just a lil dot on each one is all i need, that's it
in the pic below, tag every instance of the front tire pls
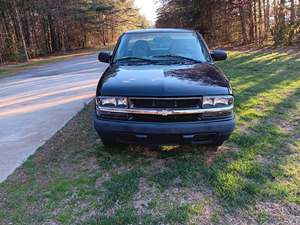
(215, 144)
(108, 141)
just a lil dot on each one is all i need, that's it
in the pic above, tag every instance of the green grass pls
(179, 214)
(73, 179)
(121, 188)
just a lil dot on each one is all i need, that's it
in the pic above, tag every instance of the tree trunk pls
(293, 12)
(21, 31)
(260, 22)
(267, 18)
(281, 15)
(255, 21)
(251, 24)
(243, 24)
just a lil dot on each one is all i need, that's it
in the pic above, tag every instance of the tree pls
(234, 22)
(41, 27)
(21, 30)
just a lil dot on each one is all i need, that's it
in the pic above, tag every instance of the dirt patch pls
(284, 125)
(280, 212)
(99, 182)
(144, 196)
(213, 153)
(68, 145)
(51, 222)
(292, 50)
(203, 206)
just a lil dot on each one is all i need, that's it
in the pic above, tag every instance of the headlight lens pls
(120, 102)
(217, 101)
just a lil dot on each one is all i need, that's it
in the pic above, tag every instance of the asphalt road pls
(35, 104)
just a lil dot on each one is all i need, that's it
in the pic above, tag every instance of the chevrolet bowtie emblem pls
(165, 112)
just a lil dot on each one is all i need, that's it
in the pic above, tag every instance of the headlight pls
(120, 102)
(217, 101)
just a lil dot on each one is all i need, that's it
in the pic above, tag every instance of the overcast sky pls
(148, 8)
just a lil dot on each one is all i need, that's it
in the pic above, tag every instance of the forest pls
(235, 22)
(34, 28)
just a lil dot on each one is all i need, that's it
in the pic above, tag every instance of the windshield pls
(162, 47)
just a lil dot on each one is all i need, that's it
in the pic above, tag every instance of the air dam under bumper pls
(202, 132)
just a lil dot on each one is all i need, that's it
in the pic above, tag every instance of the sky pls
(147, 8)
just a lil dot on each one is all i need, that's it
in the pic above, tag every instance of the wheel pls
(217, 144)
(219, 141)
(109, 142)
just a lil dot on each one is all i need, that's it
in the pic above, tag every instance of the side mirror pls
(218, 55)
(105, 57)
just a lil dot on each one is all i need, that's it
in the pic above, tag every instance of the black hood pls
(163, 81)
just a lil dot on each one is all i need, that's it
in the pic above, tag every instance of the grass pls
(253, 179)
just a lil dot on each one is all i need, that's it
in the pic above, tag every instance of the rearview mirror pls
(218, 55)
(104, 57)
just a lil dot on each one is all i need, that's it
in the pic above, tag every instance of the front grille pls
(165, 103)
(217, 115)
(165, 119)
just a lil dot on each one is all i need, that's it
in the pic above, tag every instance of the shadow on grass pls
(238, 177)
(254, 73)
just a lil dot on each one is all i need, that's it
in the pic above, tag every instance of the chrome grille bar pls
(164, 112)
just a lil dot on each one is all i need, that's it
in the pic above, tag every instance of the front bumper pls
(200, 132)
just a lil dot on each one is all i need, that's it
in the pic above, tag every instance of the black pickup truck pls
(162, 87)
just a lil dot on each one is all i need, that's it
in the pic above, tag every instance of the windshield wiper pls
(131, 58)
(177, 57)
